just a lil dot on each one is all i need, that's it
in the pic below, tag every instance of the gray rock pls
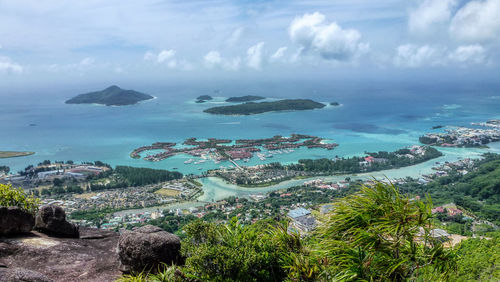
(14, 220)
(22, 275)
(51, 220)
(146, 248)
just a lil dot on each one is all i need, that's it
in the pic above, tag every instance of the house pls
(302, 219)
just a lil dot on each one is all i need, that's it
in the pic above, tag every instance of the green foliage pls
(111, 96)
(16, 197)
(234, 252)
(374, 235)
(478, 260)
(138, 176)
(262, 107)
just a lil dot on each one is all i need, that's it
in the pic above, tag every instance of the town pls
(464, 136)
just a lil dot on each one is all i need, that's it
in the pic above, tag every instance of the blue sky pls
(52, 41)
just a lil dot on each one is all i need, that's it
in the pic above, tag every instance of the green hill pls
(246, 98)
(111, 96)
(252, 108)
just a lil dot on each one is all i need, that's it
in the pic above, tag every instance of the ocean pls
(372, 117)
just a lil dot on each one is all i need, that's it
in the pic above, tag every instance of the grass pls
(13, 154)
(168, 192)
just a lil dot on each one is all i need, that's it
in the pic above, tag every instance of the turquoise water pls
(371, 118)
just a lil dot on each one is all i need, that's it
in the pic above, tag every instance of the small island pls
(335, 104)
(13, 154)
(247, 98)
(111, 96)
(437, 127)
(252, 108)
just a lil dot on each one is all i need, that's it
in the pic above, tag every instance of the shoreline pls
(14, 154)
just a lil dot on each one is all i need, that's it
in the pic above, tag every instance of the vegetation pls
(376, 234)
(251, 108)
(111, 96)
(138, 176)
(5, 169)
(246, 98)
(16, 197)
(204, 97)
(334, 104)
(379, 234)
(383, 160)
(477, 191)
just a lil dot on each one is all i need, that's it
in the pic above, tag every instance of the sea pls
(371, 117)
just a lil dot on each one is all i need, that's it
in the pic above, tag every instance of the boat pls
(189, 161)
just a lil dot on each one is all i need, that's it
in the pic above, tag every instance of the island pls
(225, 150)
(13, 154)
(247, 98)
(334, 104)
(437, 127)
(111, 96)
(251, 108)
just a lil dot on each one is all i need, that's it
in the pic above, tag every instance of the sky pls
(51, 42)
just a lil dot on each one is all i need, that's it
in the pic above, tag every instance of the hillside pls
(252, 108)
(247, 98)
(111, 96)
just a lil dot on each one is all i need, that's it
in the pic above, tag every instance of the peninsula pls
(13, 154)
(247, 98)
(252, 108)
(111, 96)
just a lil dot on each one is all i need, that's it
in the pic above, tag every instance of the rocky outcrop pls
(14, 220)
(92, 257)
(51, 220)
(146, 248)
(22, 275)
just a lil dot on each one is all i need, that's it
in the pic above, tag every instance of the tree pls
(379, 234)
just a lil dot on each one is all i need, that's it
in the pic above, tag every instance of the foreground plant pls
(378, 235)
(16, 197)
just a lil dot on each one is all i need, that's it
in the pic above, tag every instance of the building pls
(302, 219)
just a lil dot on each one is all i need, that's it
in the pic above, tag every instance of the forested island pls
(111, 96)
(203, 98)
(252, 108)
(247, 98)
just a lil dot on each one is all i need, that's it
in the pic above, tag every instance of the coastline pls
(14, 154)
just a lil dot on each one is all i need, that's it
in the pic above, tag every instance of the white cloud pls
(279, 53)
(413, 56)
(235, 36)
(430, 13)
(87, 62)
(166, 55)
(213, 59)
(329, 40)
(469, 54)
(8, 66)
(255, 56)
(149, 56)
(477, 21)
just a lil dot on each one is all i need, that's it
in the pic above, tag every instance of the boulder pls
(51, 220)
(146, 248)
(22, 275)
(14, 220)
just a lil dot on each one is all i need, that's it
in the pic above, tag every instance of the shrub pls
(16, 197)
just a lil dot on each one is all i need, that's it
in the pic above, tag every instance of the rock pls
(14, 220)
(22, 275)
(146, 248)
(64, 259)
(51, 220)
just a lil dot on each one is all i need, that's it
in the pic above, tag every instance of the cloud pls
(469, 54)
(8, 66)
(279, 53)
(255, 56)
(412, 56)
(87, 62)
(166, 55)
(329, 40)
(213, 59)
(477, 21)
(235, 36)
(429, 14)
